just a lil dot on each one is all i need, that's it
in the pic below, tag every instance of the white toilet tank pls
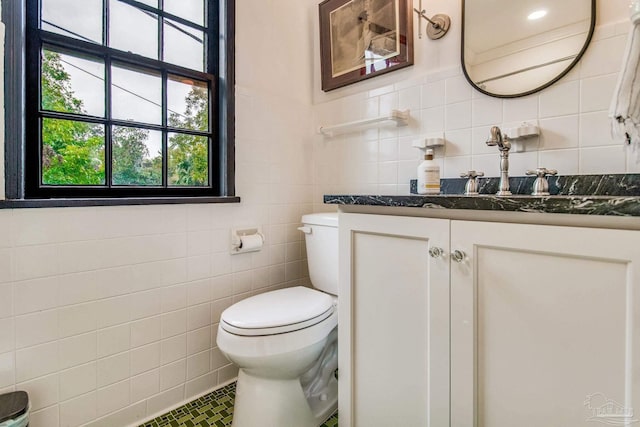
(322, 250)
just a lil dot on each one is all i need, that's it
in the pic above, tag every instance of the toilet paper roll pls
(251, 242)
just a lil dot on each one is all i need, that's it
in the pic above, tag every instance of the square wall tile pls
(457, 90)
(198, 316)
(23, 266)
(79, 288)
(199, 292)
(432, 120)
(36, 361)
(409, 98)
(113, 340)
(35, 295)
(77, 350)
(145, 304)
(596, 93)
(78, 411)
(6, 300)
(174, 298)
(199, 340)
(458, 142)
(6, 257)
(48, 417)
(433, 94)
(559, 133)
(113, 369)
(77, 381)
(458, 116)
(520, 163)
(6, 227)
(200, 385)
(486, 111)
(145, 358)
(36, 227)
(566, 162)
(173, 374)
(145, 385)
(166, 399)
(560, 99)
(173, 349)
(454, 166)
(36, 328)
(521, 109)
(603, 57)
(145, 331)
(77, 319)
(113, 397)
(489, 164)
(42, 391)
(198, 365)
(7, 369)
(595, 130)
(603, 160)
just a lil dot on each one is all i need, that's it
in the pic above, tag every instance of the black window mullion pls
(106, 16)
(211, 58)
(165, 134)
(33, 121)
(108, 131)
(161, 32)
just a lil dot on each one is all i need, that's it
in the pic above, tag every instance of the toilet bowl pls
(284, 342)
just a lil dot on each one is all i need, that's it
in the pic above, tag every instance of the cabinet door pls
(393, 321)
(545, 326)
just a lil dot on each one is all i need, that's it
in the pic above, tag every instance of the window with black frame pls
(123, 99)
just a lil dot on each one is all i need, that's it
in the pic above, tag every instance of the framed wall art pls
(360, 39)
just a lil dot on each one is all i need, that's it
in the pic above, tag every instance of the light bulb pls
(536, 15)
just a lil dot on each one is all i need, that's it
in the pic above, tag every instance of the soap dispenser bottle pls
(429, 175)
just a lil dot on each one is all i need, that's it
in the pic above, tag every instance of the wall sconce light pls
(438, 24)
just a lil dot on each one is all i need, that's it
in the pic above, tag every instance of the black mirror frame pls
(544, 86)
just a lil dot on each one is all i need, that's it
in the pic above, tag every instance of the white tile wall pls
(575, 132)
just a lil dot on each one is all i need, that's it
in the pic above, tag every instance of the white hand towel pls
(625, 106)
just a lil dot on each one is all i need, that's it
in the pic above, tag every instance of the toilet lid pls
(276, 312)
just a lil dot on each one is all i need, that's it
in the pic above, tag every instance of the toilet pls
(285, 342)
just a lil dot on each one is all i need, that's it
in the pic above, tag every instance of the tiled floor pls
(212, 410)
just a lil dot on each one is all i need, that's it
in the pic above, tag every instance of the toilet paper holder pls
(245, 240)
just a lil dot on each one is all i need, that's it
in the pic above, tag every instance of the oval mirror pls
(515, 48)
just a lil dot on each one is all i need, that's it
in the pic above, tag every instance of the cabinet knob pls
(458, 256)
(436, 252)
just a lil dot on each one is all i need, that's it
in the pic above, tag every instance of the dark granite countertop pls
(613, 195)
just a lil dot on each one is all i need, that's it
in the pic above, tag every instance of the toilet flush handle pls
(305, 230)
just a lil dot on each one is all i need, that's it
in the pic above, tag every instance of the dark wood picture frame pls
(360, 39)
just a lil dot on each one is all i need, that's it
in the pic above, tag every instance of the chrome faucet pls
(504, 145)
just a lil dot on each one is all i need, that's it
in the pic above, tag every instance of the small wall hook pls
(438, 24)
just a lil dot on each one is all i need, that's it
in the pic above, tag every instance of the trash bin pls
(14, 409)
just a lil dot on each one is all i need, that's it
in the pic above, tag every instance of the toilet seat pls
(277, 312)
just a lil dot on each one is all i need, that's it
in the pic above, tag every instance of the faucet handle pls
(471, 174)
(541, 185)
(542, 172)
(471, 188)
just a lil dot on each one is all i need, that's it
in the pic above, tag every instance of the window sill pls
(125, 201)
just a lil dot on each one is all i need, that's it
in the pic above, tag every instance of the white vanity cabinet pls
(393, 321)
(536, 325)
